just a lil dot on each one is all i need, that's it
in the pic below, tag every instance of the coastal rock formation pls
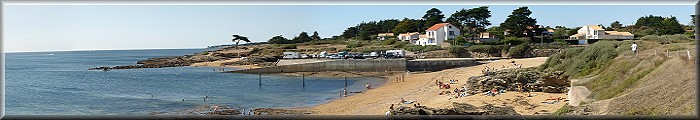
(458, 109)
(260, 61)
(513, 79)
(272, 111)
(165, 62)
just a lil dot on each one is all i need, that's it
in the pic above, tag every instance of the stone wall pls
(544, 52)
(367, 65)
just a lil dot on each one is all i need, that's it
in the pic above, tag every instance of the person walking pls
(634, 48)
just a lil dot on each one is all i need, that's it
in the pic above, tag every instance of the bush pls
(458, 51)
(514, 41)
(353, 45)
(400, 44)
(255, 50)
(581, 61)
(389, 42)
(667, 39)
(519, 51)
(291, 46)
(487, 48)
(431, 48)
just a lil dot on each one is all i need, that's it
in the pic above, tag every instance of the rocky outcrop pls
(272, 111)
(165, 62)
(512, 79)
(458, 109)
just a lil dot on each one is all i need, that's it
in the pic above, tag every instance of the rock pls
(273, 111)
(458, 109)
(511, 79)
(165, 62)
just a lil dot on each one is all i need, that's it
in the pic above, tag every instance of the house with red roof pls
(437, 34)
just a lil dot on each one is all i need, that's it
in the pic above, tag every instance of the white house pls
(438, 33)
(408, 36)
(596, 32)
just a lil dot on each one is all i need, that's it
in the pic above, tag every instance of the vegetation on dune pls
(577, 62)
(564, 109)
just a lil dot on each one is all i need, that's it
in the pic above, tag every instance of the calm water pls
(59, 83)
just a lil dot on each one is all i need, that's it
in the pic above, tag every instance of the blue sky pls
(109, 27)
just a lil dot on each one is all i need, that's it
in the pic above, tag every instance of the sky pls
(113, 27)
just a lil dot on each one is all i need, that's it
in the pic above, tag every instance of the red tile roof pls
(438, 26)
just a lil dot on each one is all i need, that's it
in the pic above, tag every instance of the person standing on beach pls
(634, 48)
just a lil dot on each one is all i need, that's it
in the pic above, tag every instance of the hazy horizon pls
(34, 28)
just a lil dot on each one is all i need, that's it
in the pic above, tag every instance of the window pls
(452, 32)
(449, 26)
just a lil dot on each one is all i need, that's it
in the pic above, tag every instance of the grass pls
(564, 109)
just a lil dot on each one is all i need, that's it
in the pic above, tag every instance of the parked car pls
(334, 56)
(291, 55)
(374, 54)
(358, 57)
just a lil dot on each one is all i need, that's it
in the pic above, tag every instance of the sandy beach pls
(421, 87)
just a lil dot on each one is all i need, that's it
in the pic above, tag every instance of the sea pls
(59, 83)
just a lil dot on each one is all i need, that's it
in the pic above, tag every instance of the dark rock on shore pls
(512, 79)
(459, 109)
(272, 111)
(165, 62)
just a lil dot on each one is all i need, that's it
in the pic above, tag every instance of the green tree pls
(387, 25)
(350, 32)
(560, 33)
(670, 26)
(472, 21)
(238, 38)
(303, 37)
(315, 36)
(406, 25)
(650, 21)
(432, 17)
(278, 40)
(368, 29)
(616, 25)
(518, 21)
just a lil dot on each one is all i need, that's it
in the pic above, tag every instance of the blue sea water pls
(60, 83)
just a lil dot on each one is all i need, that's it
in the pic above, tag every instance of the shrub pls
(255, 50)
(353, 45)
(431, 48)
(400, 44)
(519, 51)
(459, 51)
(580, 61)
(666, 39)
(514, 41)
(389, 42)
(486, 48)
(291, 46)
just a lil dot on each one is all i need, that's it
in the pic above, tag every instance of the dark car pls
(358, 56)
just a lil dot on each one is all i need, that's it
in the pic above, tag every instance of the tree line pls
(472, 22)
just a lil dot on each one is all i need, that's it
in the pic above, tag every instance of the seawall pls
(367, 65)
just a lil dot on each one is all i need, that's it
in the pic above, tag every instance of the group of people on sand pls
(392, 110)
